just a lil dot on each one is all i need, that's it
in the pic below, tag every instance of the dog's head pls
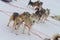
(41, 3)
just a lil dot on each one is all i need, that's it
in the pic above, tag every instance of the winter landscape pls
(40, 31)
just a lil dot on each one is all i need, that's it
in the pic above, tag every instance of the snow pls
(47, 28)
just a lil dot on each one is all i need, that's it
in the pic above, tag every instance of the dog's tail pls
(15, 14)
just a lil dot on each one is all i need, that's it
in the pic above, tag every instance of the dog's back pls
(27, 14)
(15, 15)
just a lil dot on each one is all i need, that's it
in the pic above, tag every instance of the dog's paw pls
(29, 34)
(12, 31)
(16, 33)
(7, 25)
(23, 33)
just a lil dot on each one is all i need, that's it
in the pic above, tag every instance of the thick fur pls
(42, 14)
(55, 37)
(15, 18)
(39, 13)
(26, 16)
(45, 15)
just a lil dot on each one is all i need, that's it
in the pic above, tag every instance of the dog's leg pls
(39, 19)
(9, 21)
(14, 26)
(17, 28)
(29, 31)
(42, 18)
(29, 27)
(45, 18)
(24, 27)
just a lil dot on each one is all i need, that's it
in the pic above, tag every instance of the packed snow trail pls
(5, 32)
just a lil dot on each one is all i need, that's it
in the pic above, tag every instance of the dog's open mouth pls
(56, 17)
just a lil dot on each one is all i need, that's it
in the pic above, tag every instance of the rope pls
(4, 12)
(53, 23)
(16, 6)
(27, 25)
(37, 35)
(41, 33)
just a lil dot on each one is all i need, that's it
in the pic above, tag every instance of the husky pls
(42, 14)
(35, 4)
(27, 18)
(24, 18)
(45, 15)
(16, 19)
(55, 37)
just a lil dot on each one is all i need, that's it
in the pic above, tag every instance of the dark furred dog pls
(30, 3)
(34, 4)
(42, 14)
(39, 13)
(55, 37)
(45, 15)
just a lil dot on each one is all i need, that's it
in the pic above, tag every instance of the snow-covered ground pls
(47, 28)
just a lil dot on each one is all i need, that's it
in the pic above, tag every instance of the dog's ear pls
(41, 3)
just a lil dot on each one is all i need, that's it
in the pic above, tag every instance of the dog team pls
(28, 19)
